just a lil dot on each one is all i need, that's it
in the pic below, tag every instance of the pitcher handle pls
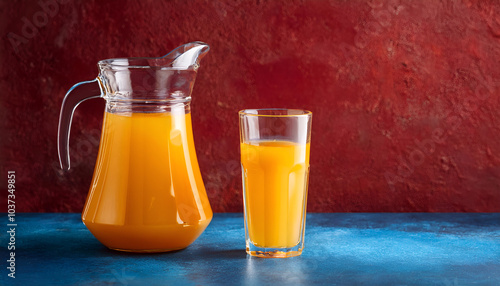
(78, 93)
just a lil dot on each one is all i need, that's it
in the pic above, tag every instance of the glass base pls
(274, 252)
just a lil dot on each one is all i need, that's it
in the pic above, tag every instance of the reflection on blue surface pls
(341, 249)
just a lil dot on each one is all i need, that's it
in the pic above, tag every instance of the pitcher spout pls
(187, 55)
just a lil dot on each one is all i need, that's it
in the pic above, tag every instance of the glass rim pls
(302, 112)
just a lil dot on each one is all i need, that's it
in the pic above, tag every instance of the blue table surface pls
(340, 249)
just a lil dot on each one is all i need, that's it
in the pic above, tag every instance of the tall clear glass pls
(275, 146)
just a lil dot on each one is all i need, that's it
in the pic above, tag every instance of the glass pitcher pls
(147, 194)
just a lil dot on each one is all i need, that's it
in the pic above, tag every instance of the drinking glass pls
(274, 146)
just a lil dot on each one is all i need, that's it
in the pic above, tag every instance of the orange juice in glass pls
(275, 146)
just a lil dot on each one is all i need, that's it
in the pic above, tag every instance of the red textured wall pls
(404, 94)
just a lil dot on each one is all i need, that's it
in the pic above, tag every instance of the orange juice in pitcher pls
(147, 194)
